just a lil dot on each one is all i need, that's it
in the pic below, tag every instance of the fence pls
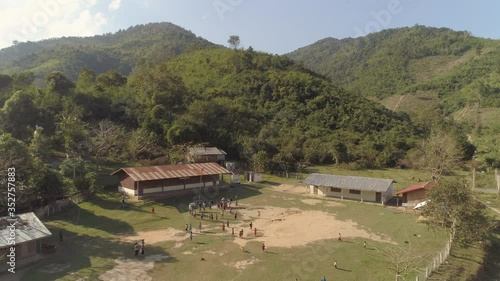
(58, 206)
(436, 262)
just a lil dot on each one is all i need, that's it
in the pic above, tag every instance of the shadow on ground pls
(87, 218)
(237, 192)
(84, 256)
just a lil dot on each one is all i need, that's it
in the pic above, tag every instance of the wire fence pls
(436, 262)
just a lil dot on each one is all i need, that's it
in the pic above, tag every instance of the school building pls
(168, 180)
(350, 187)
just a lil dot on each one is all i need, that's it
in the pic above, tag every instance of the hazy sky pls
(275, 26)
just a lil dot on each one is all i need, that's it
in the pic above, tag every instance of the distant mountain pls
(413, 60)
(119, 51)
(429, 73)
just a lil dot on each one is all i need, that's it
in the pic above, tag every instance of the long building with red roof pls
(168, 179)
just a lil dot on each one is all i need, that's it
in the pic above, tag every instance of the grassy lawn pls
(94, 231)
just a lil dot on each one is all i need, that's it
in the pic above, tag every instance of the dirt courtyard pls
(276, 227)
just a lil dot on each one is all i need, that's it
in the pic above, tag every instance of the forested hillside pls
(118, 51)
(393, 61)
(264, 110)
(429, 73)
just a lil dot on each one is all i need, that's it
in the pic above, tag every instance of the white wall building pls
(349, 187)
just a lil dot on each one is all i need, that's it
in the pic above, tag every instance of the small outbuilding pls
(206, 155)
(350, 187)
(412, 195)
(168, 180)
(28, 232)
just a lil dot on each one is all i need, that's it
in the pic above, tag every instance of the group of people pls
(138, 248)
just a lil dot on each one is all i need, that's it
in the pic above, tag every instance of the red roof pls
(422, 185)
(172, 171)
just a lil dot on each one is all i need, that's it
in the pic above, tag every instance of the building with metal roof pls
(27, 232)
(350, 187)
(207, 154)
(414, 194)
(168, 180)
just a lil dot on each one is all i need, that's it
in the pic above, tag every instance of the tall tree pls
(494, 162)
(106, 139)
(74, 131)
(452, 206)
(439, 154)
(401, 260)
(19, 115)
(141, 141)
(234, 41)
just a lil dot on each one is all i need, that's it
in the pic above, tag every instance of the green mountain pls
(251, 102)
(426, 72)
(119, 51)
(407, 60)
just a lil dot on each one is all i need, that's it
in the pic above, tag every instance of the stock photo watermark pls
(381, 19)
(11, 209)
(31, 24)
(222, 7)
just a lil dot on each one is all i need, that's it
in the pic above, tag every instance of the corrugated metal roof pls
(28, 228)
(350, 182)
(422, 185)
(207, 151)
(173, 171)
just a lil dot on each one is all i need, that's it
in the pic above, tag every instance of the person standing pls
(340, 237)
(199, 226)
(142, 248)
(263, 247)
(335, 264)
(190, 236)
(232, 233)
(364, 244)
(136, 249)
(251, 225)
(227, 223)
(255, 232)
(153, 211)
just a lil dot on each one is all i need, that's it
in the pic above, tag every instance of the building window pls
(353, 191)
(335, 189)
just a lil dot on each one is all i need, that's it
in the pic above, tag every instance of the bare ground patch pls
(169, 234)
(132, 269)
(311, 201)
(241, 265)
(281, 227)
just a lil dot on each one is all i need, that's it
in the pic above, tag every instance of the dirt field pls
(276, 227)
